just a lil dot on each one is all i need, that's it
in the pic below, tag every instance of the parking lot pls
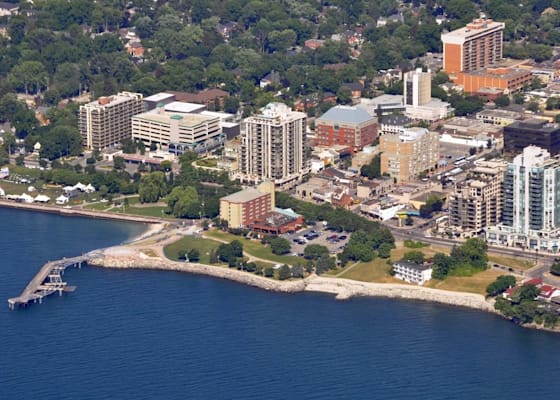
(334, 241)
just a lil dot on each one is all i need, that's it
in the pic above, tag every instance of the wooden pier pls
(48, 281)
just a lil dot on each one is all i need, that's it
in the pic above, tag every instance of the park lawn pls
(473, 284)
(155, 211)
(254, 248)
(208, 162)
(398, 253)
(519, 263)
(98, 206)
(373, 271)
(204, 246)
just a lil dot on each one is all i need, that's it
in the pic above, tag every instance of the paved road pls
(417, 233)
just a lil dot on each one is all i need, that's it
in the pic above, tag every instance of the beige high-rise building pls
(273, 146)
(417, 88)
(477, 202)
(406, 154)
(107, 121)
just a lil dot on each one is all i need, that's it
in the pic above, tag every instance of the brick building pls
(243, 208)
(349, 126)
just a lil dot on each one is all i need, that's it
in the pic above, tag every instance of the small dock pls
(48, 281)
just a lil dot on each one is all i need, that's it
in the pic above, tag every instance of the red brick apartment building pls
(348, 126)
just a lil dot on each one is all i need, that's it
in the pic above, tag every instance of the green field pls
(204, 246)
(254, 248)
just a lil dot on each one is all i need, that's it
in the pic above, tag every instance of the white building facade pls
(531, 210)
(412, 272)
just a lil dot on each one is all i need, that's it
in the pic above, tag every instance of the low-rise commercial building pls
(533, 131)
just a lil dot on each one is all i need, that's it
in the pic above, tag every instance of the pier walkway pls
(48, 281)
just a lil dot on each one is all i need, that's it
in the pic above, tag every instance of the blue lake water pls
(164, 335)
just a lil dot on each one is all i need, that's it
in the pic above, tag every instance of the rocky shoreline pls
(128, 258)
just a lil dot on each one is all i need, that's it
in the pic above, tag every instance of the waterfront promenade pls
(80, 212)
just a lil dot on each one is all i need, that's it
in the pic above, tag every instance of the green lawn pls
(254, 248)
(204, 246)
(373, 271)
(155, 211)
(207, 162)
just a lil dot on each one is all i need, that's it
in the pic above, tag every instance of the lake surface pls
(164, 335)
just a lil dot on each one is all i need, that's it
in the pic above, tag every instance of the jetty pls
(48, 281)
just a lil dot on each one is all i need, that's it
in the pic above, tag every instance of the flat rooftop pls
(244, 196)
(471, 30)
(159, 97)
(183, 107)
(166, 117)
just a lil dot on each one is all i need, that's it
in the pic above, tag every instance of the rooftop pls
(345, 114)
(156, 98)
(182, 107)
(471, 30)
(244, 196)
(166, 117)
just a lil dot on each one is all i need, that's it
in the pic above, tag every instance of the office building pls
(533, 131)
(273, 146)
(531, 207)
(406, 154)
(243, 208)
(417, 88)
(477, 202)
(107, 121)
(475, 46)
(344, 125)
(177, 132)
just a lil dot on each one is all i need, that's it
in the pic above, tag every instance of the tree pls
(284, 272)
(297, 271)
(280, 245)
(414, 256)
(268, 272)
(441, 265)
(384, 250)
(152, 187)
(500, 285)
(184, 201)
(29, 76)
(118, 163)
(555, 269)
(315, 251)
(373, 169)
(193, 255)
(502, 101)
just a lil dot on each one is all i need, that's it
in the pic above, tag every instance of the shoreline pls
(121, 257)
(79, 212)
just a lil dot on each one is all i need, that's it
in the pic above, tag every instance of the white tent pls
(42, 198)
(26, 198)
(2, 193)
(68, 188)
(80, 186)
(61, 199)
(31, 189)
(89, 188)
